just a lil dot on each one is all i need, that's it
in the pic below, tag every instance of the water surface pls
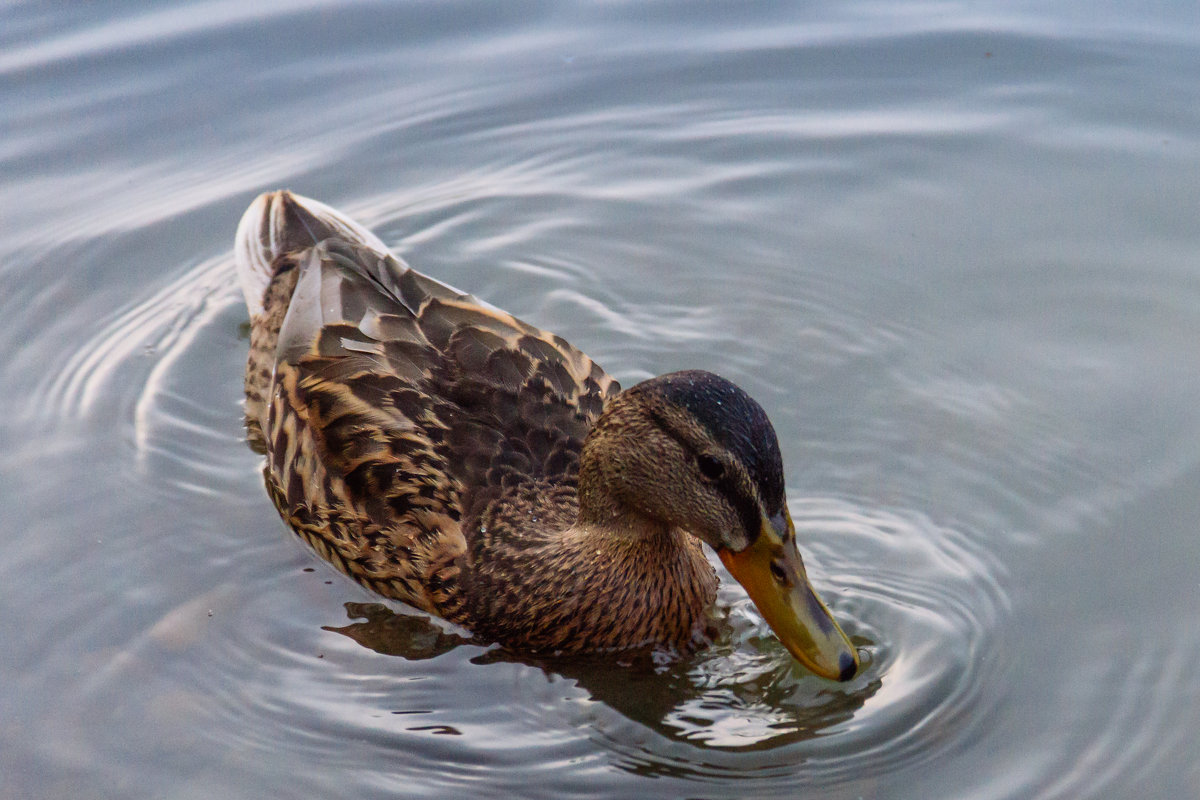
(951, 249)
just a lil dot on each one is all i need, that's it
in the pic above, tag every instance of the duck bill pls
(773, 575)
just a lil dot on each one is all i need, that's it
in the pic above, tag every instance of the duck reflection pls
(743, 694)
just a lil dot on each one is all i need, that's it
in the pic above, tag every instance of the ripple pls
(161, 369)
(162, 325)
(923, 605)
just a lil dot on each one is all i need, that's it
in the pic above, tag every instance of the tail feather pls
(276, 228)
(280, 222)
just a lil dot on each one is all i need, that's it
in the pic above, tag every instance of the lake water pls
(953, 249)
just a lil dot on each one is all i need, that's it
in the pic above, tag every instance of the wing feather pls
(420, 406)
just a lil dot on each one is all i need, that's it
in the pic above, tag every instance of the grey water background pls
(951, 247)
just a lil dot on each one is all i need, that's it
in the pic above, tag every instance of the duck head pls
(694, 451)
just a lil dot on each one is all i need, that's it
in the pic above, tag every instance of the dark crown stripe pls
(734, 420)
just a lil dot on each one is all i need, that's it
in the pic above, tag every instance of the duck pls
(445, 454)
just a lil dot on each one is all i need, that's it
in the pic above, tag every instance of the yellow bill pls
(773, 575)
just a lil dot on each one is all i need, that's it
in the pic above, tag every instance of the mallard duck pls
(446, 454)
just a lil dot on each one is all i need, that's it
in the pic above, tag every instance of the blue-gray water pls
(954, 250)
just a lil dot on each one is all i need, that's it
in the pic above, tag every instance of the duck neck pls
(605, 514)
(641, 581)
(628, 532)
(604, 498)
(608, 518)
(613, 579)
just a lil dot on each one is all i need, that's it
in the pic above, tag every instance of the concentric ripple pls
(918, 600)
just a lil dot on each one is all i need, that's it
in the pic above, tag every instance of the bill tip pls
(848, 665)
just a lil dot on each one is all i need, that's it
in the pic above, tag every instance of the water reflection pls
(757, 701)
(409, 636)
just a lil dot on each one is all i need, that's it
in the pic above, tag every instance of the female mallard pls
(444, 453)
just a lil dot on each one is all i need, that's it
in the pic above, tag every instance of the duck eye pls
(710, 467)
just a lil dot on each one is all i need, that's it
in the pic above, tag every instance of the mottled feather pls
(401, 415)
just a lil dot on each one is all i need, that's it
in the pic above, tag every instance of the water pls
(951, 249)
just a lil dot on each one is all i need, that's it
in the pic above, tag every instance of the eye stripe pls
(731, 418)
(746, 506)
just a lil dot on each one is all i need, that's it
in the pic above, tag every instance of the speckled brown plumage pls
(428, 446)
(444, 453)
